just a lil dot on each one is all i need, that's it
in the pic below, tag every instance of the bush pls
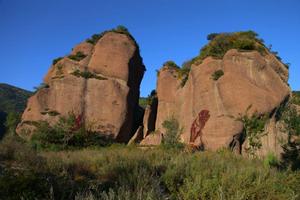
(172, 134)
(69, 132)
(291, 119)
(171, 64)
(271, 160)
(120, 172)
(119, 29)
(254, 127)
(56, 60)
(183, 72)
(220, 43)
(12, 120)
(40, 87)
(78, 56)
(217, 74)
(296, 98)
(87, 75)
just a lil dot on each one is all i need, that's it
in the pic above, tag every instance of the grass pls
(121, 172)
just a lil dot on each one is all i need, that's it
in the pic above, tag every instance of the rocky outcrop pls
(99, 81)
(207, 106)
(150, 117)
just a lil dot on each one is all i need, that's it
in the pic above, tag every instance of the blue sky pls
(34, 32)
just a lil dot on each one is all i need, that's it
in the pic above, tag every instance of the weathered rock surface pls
(102, 87)
(204, 107)
(150, 118)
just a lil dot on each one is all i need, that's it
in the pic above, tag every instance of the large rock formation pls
(207, 107)
(99, 81)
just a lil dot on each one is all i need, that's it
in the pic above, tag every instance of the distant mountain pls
(12, 99)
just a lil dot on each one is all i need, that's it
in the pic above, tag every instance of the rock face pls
(207, 107)
(98, 82)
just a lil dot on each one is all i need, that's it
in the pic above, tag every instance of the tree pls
(11, 123)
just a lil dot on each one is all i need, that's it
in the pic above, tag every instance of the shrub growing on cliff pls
(220, 43)
(254, 127)
(87, 74)
(119, 29)
(217, 74)
(40, 87)
(78, 56)
(56, 60)
(172, 134)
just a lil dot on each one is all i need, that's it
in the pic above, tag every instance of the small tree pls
(173, 131)
(254, 127)
(11, 123)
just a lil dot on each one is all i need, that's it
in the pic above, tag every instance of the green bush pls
(172, 135)
(40, 87)
(87, 75)
(56, 60)
(296, 98)
(271, 160)
(120, 172)
(119, 29)
(69, 132)
(171, 64)
(220, 43)
(291, 120)
(217, 74)
(254, 127)
(12, 120)
(78, 56)
(182, 72)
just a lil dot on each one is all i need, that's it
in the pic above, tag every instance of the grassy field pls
(129, 172)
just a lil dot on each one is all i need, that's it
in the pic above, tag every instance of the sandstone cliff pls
(220, 89)
(99, 82)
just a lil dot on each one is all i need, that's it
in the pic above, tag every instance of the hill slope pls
(12, 99)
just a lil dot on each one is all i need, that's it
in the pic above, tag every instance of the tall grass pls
(121, 172)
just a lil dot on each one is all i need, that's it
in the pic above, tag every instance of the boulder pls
(207, 108)
(98, 82)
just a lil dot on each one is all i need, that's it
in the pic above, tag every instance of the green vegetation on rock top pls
(119, 29)
(220, 43)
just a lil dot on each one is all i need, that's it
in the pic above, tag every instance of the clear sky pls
(34, 32)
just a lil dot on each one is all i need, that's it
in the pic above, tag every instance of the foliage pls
(143, 102)
(271, 160)
(56, 60)
(13, 99)
(12, 120)
(40, 87)
(120, 172)
(296, 98)
(78, 56)
(217, 74)
(68, 132)
(254, 127)
(87, 75)
(52, 113)
(119, 29)
(151, 97)
(291, 119)
(183, 72)
(172, 134)
(171, 64)
(220, 43)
